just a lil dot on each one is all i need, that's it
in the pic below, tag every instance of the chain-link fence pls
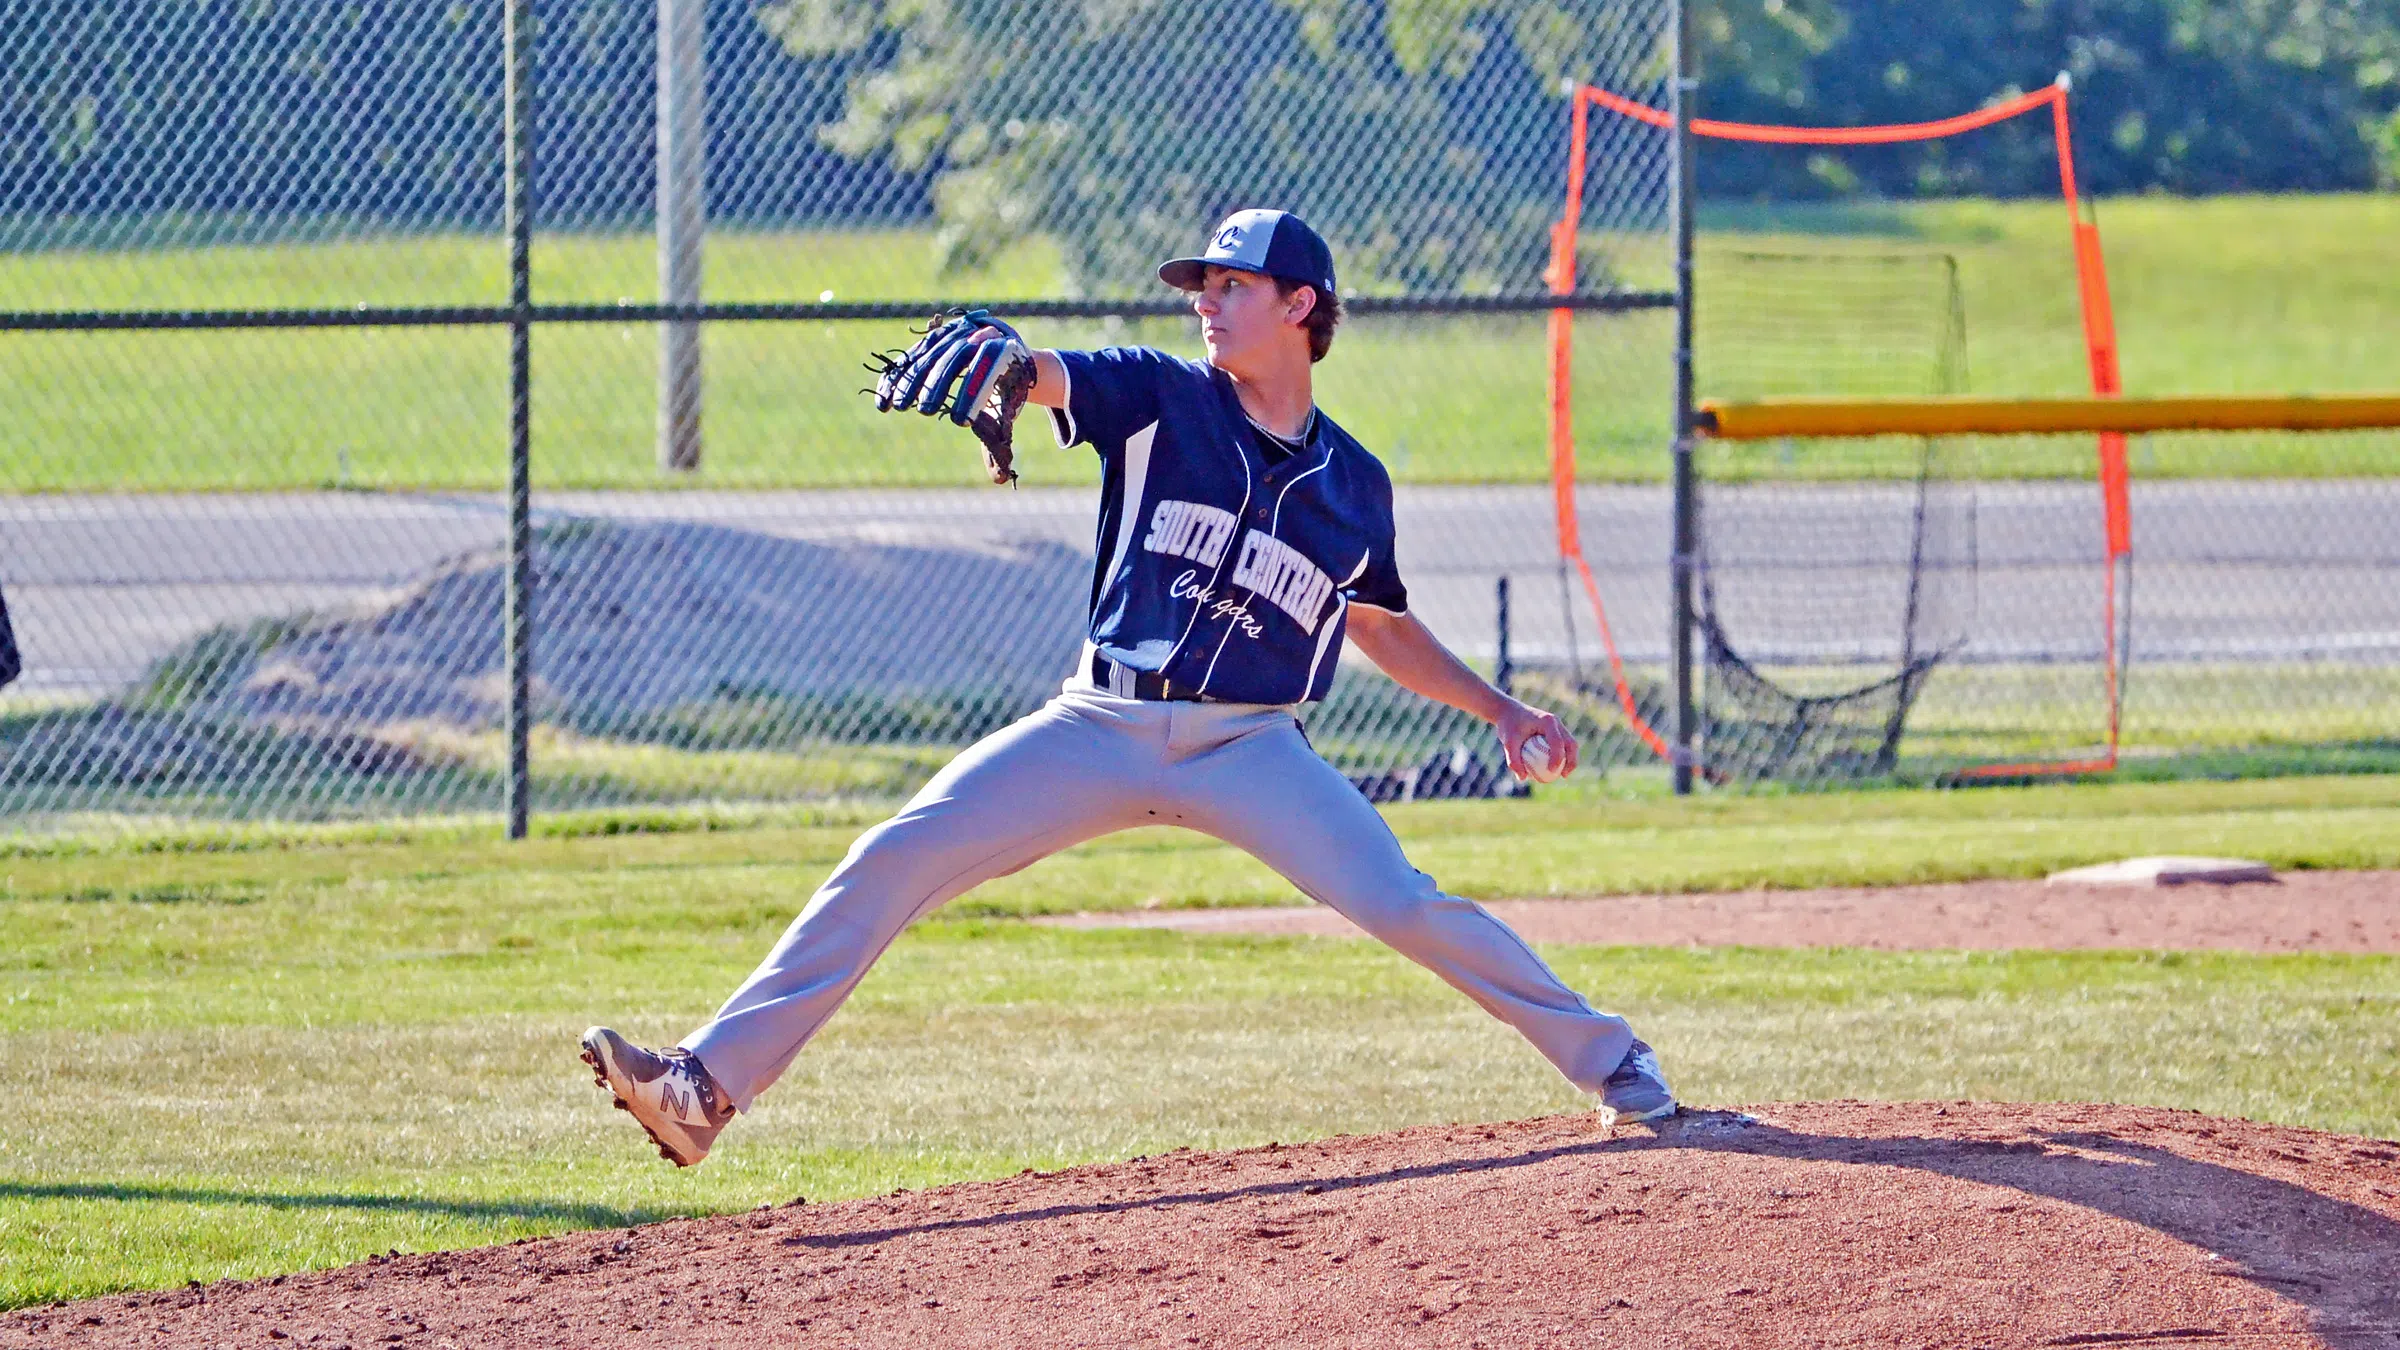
(260, 567)
(255, 496)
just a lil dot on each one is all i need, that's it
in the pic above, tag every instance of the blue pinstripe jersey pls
(1226, 570)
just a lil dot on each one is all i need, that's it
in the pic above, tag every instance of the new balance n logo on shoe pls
(671, 1093)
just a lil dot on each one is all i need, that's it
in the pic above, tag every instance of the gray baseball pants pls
(1088, 764)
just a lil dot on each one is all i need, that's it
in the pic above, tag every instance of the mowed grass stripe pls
(480, 892)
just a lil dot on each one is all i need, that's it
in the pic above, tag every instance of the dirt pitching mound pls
(1825, 1224)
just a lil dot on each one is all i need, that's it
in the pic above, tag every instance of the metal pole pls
(1687, 533)
(518, 608)
(1504, 671)
(682, 219)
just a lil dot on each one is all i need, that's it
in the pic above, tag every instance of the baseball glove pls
(955, 371)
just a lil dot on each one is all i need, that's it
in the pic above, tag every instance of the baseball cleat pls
(1637, 1091)
(672, 1094)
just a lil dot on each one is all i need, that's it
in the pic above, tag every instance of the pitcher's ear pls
(1295, 310)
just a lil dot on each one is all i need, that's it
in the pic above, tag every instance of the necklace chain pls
(1307, 425)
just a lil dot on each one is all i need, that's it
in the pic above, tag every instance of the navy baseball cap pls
(1271, 243)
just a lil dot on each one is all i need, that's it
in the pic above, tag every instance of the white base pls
(2166, 872)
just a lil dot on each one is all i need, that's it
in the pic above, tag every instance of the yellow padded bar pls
(1765, 419)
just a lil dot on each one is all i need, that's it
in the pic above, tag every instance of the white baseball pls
(1538, 764)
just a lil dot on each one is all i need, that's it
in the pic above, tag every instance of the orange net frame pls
(2100, 342)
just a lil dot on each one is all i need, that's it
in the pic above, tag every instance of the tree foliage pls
(1158, 116)
(1122, 128)
(1424, 134)
(2188, 96)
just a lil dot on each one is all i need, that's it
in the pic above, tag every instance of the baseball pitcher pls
(1243, 537)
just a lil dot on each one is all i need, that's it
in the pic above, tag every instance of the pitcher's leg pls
(1068, 773)
(1269, 794)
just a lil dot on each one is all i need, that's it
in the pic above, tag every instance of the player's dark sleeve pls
(1379, 585)
(1111, 393)
(11, 665)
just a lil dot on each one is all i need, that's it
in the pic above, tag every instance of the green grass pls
(2178, 717)
(1622, 835)
(2231, 294)
(242, 1051)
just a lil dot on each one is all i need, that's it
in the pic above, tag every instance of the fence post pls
(682, 220)
(1687, 524)
(518, 608)
(1504, 671)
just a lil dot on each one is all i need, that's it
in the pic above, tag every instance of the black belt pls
(1147, 685)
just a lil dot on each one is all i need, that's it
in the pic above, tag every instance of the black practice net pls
(1833, 576)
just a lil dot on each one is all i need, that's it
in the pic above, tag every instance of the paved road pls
(102, 585)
